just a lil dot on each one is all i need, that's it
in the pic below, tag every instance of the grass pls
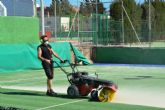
(126, 77)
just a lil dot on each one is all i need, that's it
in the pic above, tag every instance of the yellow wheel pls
(106, 95)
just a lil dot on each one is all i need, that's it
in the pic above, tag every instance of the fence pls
(101, 30)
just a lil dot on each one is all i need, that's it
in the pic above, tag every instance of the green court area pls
(139, 88)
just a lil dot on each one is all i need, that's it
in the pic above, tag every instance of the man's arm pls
(56, 55)
(40, 56)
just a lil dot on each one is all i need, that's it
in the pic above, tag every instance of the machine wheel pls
(94, 95)
(106, 95)
(73, 91)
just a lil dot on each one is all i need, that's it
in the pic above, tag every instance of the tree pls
(145, 18)
(86, 8)
(52, 7)
(66, 8)
(115, 10)
(100, 7)
(89, 7)
(63, 7)
(157, 18)
(159, 21)
(134, 12)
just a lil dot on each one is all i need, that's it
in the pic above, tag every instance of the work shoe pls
(51, 90)
(51, 93)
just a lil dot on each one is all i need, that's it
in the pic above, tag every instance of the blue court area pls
(130, 65)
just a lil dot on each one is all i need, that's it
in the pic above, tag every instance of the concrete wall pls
(19, 29)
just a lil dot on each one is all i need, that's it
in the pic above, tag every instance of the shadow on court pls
(22, 93)
(65, 96)
(143, 77)
(139, 78)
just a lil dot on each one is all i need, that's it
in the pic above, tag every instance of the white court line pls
(21, 80)
(22, 83)
(42, 77)
(60, 104)
(24, 79)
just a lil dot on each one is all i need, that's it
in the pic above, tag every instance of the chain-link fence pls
(100, 30)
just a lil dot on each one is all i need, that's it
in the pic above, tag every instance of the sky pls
(74, 2)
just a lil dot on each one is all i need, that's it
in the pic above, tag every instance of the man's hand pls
(48, 61)
(62, 61)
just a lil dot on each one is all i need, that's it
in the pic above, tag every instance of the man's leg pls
(50, 91)
(50, 80)
(49, 84)
(52, 75)
(49, 73)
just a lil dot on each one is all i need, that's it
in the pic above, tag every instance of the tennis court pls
(141, 87)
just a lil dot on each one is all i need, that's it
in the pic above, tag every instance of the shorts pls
(49, 70)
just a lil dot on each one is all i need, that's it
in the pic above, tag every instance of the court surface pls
(141, 87)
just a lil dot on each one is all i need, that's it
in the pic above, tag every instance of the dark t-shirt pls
(46, 51)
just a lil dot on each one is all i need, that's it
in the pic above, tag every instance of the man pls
(45, 53)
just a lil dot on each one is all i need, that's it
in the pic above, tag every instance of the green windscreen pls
(127, 55)
(79, 56)
(16, 57)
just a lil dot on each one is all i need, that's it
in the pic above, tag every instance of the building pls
(46, 11)
(18, 7)
(3, 10)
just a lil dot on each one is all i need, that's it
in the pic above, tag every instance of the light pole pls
(42, 17)
(55, 18)
(34, 8)
(96, 23)
(78, 19)
(149, 23)
(122, 21)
